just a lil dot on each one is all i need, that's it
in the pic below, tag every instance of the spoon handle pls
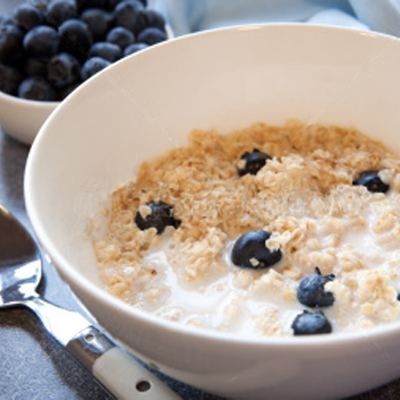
(116, 369)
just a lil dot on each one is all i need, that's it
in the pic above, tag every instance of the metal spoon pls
(20, 274)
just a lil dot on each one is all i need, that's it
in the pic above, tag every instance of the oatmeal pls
(268, 231)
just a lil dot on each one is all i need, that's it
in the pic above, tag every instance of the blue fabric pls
(186, 16)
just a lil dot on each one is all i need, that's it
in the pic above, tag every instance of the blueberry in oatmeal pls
(252, 162)
(251, 251)
(311, 291)
(156, 214)
(372, 181)
(311, 323)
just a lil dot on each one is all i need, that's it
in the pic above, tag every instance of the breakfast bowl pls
(147, 104)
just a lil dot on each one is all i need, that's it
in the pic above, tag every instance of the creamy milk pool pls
(268, 231)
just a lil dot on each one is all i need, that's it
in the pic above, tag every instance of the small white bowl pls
(22, 119)
(147, 103)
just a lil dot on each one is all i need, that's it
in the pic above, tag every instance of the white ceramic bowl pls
(223, 79)
(22, 119)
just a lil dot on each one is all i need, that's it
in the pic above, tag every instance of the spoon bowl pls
(20, 263)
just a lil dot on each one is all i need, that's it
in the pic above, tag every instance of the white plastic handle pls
(127, 379)
(120, 372)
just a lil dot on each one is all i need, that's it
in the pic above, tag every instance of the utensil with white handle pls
(114, 368)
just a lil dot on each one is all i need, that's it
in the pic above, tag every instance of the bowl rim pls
(102, 296)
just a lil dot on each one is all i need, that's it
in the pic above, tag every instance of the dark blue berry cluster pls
(48, 47)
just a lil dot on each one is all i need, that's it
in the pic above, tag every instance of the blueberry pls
(251, 251)
(120, 36)
(10, 78)
(156, 214)
(41, 5)
(41, 42)
(151, 36)
(149, 18)
(98, 22)
(113, 3)
(62, 70)
(64, 92)
(134, 48)
(85, 4)
(92, 66)
(311, 291)
(26, 16)
(7, 19)
(75, 38)
(371, 180)
(126, 13)
(109, 51)
(36, 88)
(252, 162)
(35, 67)
(311, 323)
(11, 50)
(59, 11)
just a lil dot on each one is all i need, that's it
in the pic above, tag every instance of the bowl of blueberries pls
(231, 213)
(50, 47)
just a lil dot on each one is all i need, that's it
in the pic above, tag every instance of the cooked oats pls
(303, 196)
